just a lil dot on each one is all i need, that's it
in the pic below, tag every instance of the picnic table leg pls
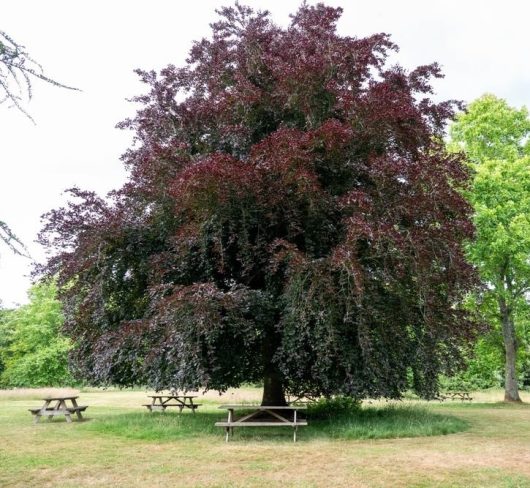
(62, 405)
(77, 412)
(158, 406)
(57, 406)
(43, 409)
(295, 426)
(230, 430)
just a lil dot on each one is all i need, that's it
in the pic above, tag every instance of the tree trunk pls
(272, 381)
(273, 390)
(511, 388)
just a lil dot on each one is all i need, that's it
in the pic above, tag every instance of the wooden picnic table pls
(59, 407)
(263, 416)
(455, 395)
(301, 399)
(459, 395)
(159, 403)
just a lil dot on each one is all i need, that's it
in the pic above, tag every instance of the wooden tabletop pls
(60, 398)
(262, 407)
(172, 396)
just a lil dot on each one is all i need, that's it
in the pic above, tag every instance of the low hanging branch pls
(17, 68)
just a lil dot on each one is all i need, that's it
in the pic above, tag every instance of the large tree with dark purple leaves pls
(291, 216)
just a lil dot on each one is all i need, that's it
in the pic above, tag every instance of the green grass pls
(157, 426)
(390, 422)
(399, 445)
(361, 423)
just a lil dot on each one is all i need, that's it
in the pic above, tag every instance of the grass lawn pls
(485, 443)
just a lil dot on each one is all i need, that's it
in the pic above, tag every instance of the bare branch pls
(12, 241)
(16, 63)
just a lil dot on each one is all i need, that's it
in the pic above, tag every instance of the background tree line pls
(33, 351)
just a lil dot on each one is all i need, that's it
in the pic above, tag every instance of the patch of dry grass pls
(35, 393)
(495, 451)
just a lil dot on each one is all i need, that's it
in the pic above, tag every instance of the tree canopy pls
(491, 129)
(495, 139)
(291, 216)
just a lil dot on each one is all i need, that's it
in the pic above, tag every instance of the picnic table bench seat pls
(195, 405)
(263, 416)
(80, 408)
(163, 406)
(264, 423)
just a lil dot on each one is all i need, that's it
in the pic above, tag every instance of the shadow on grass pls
(363, 423)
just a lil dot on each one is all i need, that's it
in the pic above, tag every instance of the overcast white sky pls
(481, 44)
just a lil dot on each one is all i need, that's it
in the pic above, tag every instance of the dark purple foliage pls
(290, 214)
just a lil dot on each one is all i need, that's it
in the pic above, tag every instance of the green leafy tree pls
(495, 138)
(491, 129)
(32, 350)
(4, 338)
